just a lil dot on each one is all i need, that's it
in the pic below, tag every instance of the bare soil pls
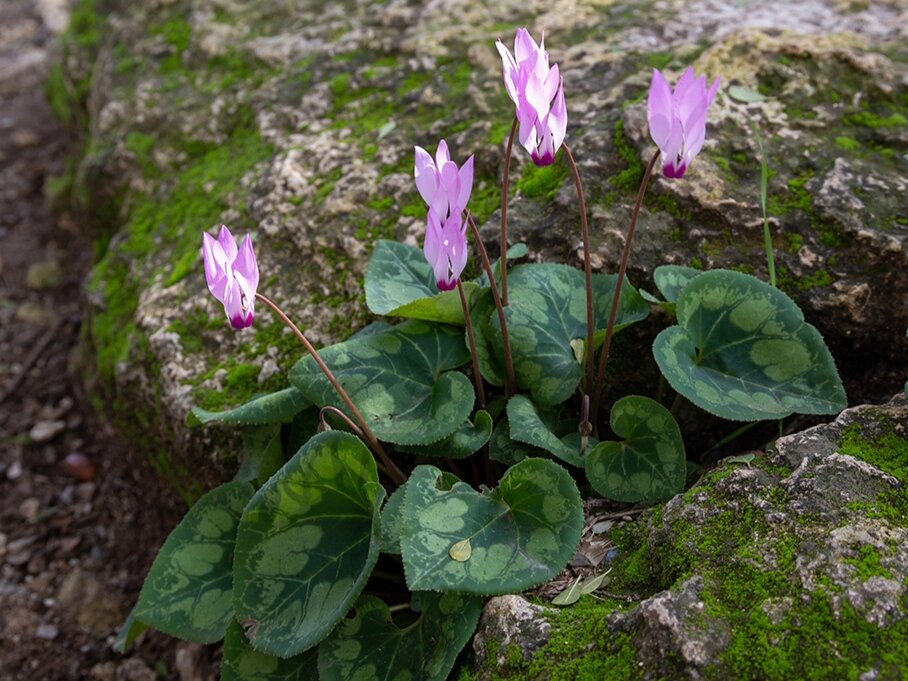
(81, 516)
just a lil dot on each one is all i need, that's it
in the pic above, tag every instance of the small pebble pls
(80, 467)
(14, 472)
(48, 632)
(43, 431)
(29, 509)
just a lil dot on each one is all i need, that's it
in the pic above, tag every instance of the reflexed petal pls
(466, 185)
(432, 247)
(552, 82)
(246, 266)
(450, 188)
(557, 120)
(457, 250)
(228, 243)
(712, 90)
(442, 155)
(659, 109)
(212, 257)
(526, 50)
(425, 174)
(509, 70)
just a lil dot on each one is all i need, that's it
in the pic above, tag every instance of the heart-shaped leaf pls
(547, 311)
(278, 407)
(521, 533)
(395, 379)
(371, 646)
(242, 662)
(306, 544)
(400, 283)
(187, 591)
(742, 350)
(671, 280)
(504, 449)
(527, 426)
(465, 441)
(649, 464)
(488, 345)
(263, 453)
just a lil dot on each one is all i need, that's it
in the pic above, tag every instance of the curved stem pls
(329, 409)
(477, 377)
(510, 381)
(616, 298)
(505, 181)
(587, 269)
(395, 472)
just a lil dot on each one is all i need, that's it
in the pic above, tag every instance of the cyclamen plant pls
(363, 547)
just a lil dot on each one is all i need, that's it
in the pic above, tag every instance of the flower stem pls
(510, 381)
(477, 377)
(587, 270)
(616, 298)
(396, 474)
(505, 181)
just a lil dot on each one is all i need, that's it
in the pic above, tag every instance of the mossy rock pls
(792, 567)
(295, 122)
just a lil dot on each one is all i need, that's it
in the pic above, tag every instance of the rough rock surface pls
(296, 121)
(794, 566)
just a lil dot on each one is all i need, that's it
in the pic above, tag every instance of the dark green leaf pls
(400, 283)
(488, 345)
(520, 534)
(462, 443)
(649, 464)
(129, 632)
(371, 647)
(187, 591)
(307, 543)
(527, 426)
(547, 311)
(262, 453)
(671, 280)
(742, 350)
(395, 379)
(242, 662)
(503, 449)
(278, 407)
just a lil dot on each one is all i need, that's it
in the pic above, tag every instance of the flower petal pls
(425, 174)
(228, 243)
(213, 258)
(466, 185)
(659, 110)
(246, 265)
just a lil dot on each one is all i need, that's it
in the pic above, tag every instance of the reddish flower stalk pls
(396, 474)
(510, 380)
(616, 298)
(477, 376)
(505, 182)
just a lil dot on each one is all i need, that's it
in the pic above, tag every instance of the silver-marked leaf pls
(400, 283)
(391, 521)
(465, 441)
(129, 632)
(187, 591)
(547, 311)
(263, 453)
(242, 662)
(278, 407)
(306, 544)
(742, 350)
(395, 379)
(671, 280)
(648, 465)
(488, 344)
(527, 426)
(505, 450)
(515, 252)
(521, 533)
(370, 646)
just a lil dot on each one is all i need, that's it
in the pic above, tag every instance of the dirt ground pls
(81, 516)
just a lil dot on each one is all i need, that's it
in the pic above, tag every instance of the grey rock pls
(509, 621)
(802, 534)
(319, 132)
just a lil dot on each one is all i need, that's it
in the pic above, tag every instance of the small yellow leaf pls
(461, 551)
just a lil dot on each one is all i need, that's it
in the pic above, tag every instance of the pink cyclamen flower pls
(677, 120)
(445, 248)
(538, 95)
(443, 186)
(232, 275)
(446, 190)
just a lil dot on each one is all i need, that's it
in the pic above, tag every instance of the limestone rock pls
(780, 570)
(295, 122)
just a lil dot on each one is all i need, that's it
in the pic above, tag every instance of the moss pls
(867, 563)
(630, 178)
(543, 182)
(847, 143)
(870, 120)
(886, 452)
(795, 241)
